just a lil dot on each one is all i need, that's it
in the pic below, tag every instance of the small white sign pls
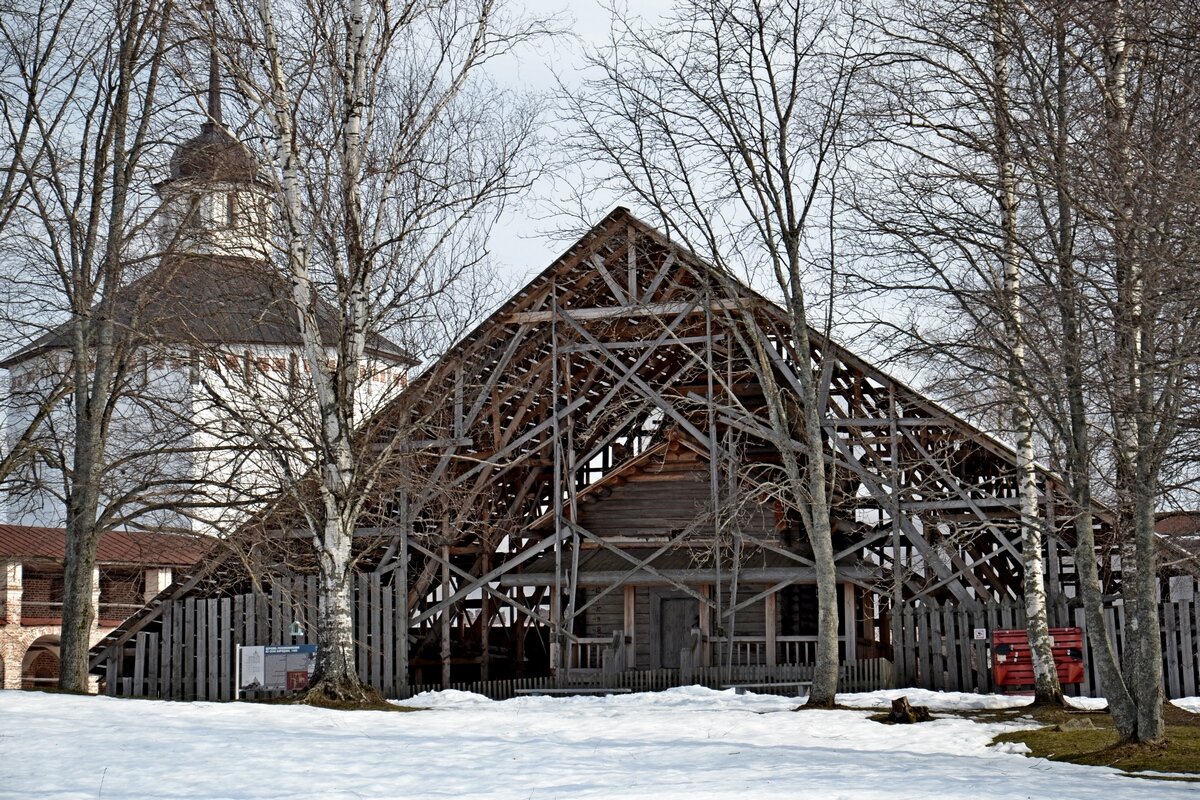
(981, 633)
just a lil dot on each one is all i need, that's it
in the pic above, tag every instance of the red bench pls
(1012, 657)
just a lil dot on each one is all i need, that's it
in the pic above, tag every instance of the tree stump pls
(905, 714)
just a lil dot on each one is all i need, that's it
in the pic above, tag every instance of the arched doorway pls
(39, 668)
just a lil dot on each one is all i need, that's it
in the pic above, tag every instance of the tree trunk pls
(1047, 689)
(818, 526)
(806, 484)
(1148, 673)
(335, 677)
(1133, 416)
(1069, 298)
(78, 613)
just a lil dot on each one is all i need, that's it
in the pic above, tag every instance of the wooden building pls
(587, 483)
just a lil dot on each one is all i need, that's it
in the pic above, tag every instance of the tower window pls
(231, 209)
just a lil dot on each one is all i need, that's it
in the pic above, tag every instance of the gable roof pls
(503, 354)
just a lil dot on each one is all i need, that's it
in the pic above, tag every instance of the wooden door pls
(677, 616)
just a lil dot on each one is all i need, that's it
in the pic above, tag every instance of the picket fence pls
(937, 648)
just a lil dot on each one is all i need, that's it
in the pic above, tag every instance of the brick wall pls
(41, 595)
(121, 593)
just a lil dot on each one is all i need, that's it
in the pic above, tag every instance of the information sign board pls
(276, 667)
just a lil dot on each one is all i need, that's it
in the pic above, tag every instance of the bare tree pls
(391, 153)
(90, 73)
(726, 122)
(1047, 689)
(1093, 200)
(951, 89)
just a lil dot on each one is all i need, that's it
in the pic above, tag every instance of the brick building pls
(132, 567)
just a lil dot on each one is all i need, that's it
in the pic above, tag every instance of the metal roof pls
(194, 299)
(23, 542)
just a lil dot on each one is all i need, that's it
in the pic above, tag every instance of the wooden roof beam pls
(614, 312)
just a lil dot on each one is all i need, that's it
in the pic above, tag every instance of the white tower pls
(215, 201)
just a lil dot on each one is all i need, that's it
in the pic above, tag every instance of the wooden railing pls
(751, 651)
(796, 649)
(34, 612)
(748, 651)
(857, 676)
(587, 653)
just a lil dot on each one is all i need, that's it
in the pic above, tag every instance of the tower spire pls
(214, 69)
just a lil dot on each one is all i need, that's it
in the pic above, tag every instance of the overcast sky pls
(523, 244)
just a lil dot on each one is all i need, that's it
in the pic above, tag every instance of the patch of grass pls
(1098, 745)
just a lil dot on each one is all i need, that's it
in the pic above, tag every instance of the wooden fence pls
(937, 648)
(193, 656)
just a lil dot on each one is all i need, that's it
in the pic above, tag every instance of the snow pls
(1191, 704)
(689, 743)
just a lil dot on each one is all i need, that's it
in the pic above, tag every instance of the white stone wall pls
(205, 433)
(222, 219)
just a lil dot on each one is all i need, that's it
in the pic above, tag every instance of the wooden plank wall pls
(193, 655)
(937, 649)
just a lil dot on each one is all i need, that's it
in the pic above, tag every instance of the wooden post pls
(445, 653)
(139, 666)
(189, 649)
(706, 627)
(897, 588)
(362, 654)
(851, 616)
(166, 663)
(485, 625)
(378, 679)
(402, 615)
(769, 608)
(556, 638)
(212, 628)
(630, 623)
(387, 597)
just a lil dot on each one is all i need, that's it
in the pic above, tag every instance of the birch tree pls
(391, 155)
(1141, 196)
(1111, 110)
(725, 121)
(1046, 685)
(1087, 321)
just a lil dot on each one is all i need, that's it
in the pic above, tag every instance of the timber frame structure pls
(587, 481)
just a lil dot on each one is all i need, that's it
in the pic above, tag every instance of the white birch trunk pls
(335, 674)
(1047, 688)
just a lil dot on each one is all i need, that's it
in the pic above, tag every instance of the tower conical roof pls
(214, 155)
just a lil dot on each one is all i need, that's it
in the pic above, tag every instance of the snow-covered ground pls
(686, 743)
